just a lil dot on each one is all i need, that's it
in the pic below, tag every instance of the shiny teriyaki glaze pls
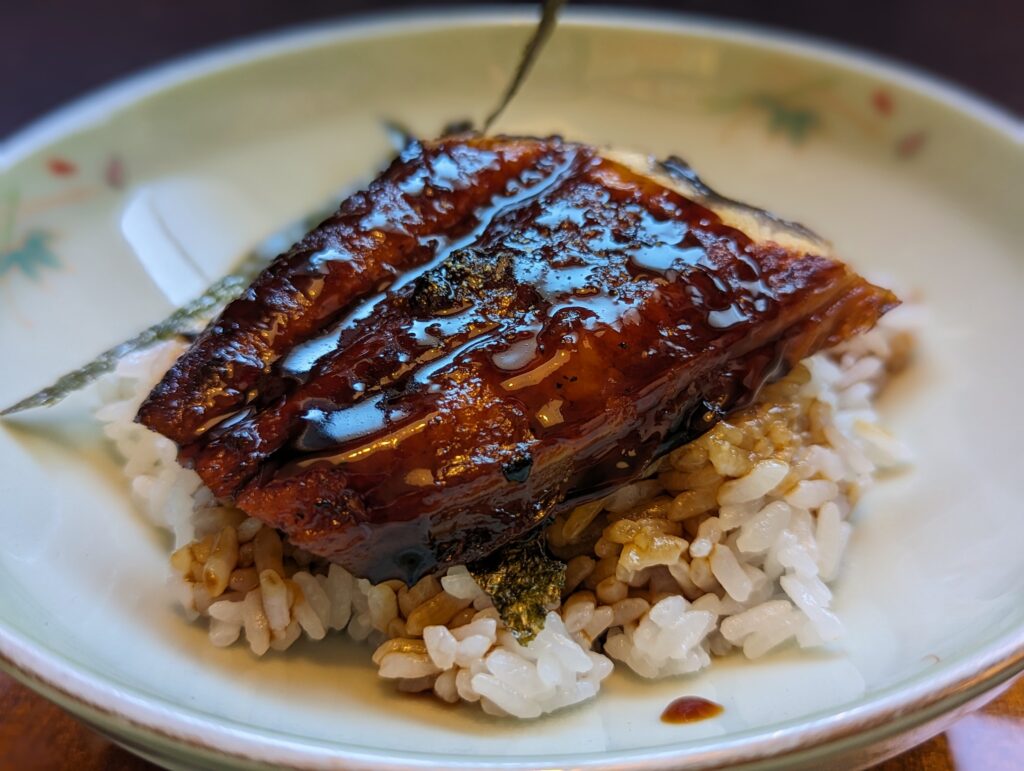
(520, 325)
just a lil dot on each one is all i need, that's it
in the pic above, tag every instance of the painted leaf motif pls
(795, 122)
(31, 257)
(882, 101)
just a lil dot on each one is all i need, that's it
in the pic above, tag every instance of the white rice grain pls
(730, 574)
(406, 666)
(257, 628)
(441, 646)
(758, 483)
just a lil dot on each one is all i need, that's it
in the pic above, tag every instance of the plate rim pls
(94, 105)
(100, 700)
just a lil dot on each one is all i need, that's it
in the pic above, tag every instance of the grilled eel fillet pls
(494, 329)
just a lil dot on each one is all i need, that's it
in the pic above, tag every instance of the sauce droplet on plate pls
(690, 709)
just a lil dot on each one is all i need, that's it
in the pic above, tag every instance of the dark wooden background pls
(55, 50)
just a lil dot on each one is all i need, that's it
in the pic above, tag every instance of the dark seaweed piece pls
(462, 126)
(546, 25)
(180, 322)
(401, 136)
(524, 582)
(185, 320)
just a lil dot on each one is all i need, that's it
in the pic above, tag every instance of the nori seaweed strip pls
(183, 321)
(524, 582)
(546, 25)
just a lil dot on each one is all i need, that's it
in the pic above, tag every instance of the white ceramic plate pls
(128, 202)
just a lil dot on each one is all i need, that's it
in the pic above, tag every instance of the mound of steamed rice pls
(729, 545)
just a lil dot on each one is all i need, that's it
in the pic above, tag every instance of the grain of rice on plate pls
(730, 545)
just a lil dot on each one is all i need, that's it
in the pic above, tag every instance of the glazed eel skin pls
(495, 329)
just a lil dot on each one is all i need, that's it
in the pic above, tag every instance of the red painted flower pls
(61, 167)
(911, 144)
(882, 101)
(114, 173)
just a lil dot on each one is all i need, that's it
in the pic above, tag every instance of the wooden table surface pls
(86, 44)
(36, 735)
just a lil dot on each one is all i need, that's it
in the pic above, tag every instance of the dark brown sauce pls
(691, 709)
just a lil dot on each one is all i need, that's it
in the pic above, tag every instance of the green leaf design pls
(32, 256)
(795, 122)
(789, 111)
